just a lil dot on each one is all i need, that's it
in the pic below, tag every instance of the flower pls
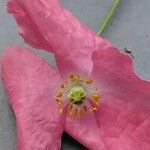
(95, 95)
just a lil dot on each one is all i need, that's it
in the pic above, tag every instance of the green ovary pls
(77, 95)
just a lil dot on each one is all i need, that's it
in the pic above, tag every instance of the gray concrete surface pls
(129, 28)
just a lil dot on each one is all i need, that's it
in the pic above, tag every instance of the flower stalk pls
(108, 17)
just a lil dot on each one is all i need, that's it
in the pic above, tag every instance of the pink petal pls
(124, 111)
(85, 130)
(47, 25)
(31, 85)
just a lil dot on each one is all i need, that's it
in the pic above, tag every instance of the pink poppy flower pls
(95, 95)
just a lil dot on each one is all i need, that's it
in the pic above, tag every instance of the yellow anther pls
(74, 78)
(62, 86)
(71, 76)
(94, 108)
(59, 94)
(61, 110)
(73, 84)
(95, 102)
(88, 81)
(59, 101)
(96, 96)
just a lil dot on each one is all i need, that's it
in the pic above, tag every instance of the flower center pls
(77, 95)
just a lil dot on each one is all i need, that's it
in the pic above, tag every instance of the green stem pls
(108, 17)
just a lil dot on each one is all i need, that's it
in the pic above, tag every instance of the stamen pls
(96, 99)
(62, 86)
(80, 96)
(94, 108)
(61, 110)
(88, 81)
(75, 79)
(72, 111)
(71, 76)
(59, 101)
(59, 94)
(90, 110)
(96, 96)
(95, 102)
